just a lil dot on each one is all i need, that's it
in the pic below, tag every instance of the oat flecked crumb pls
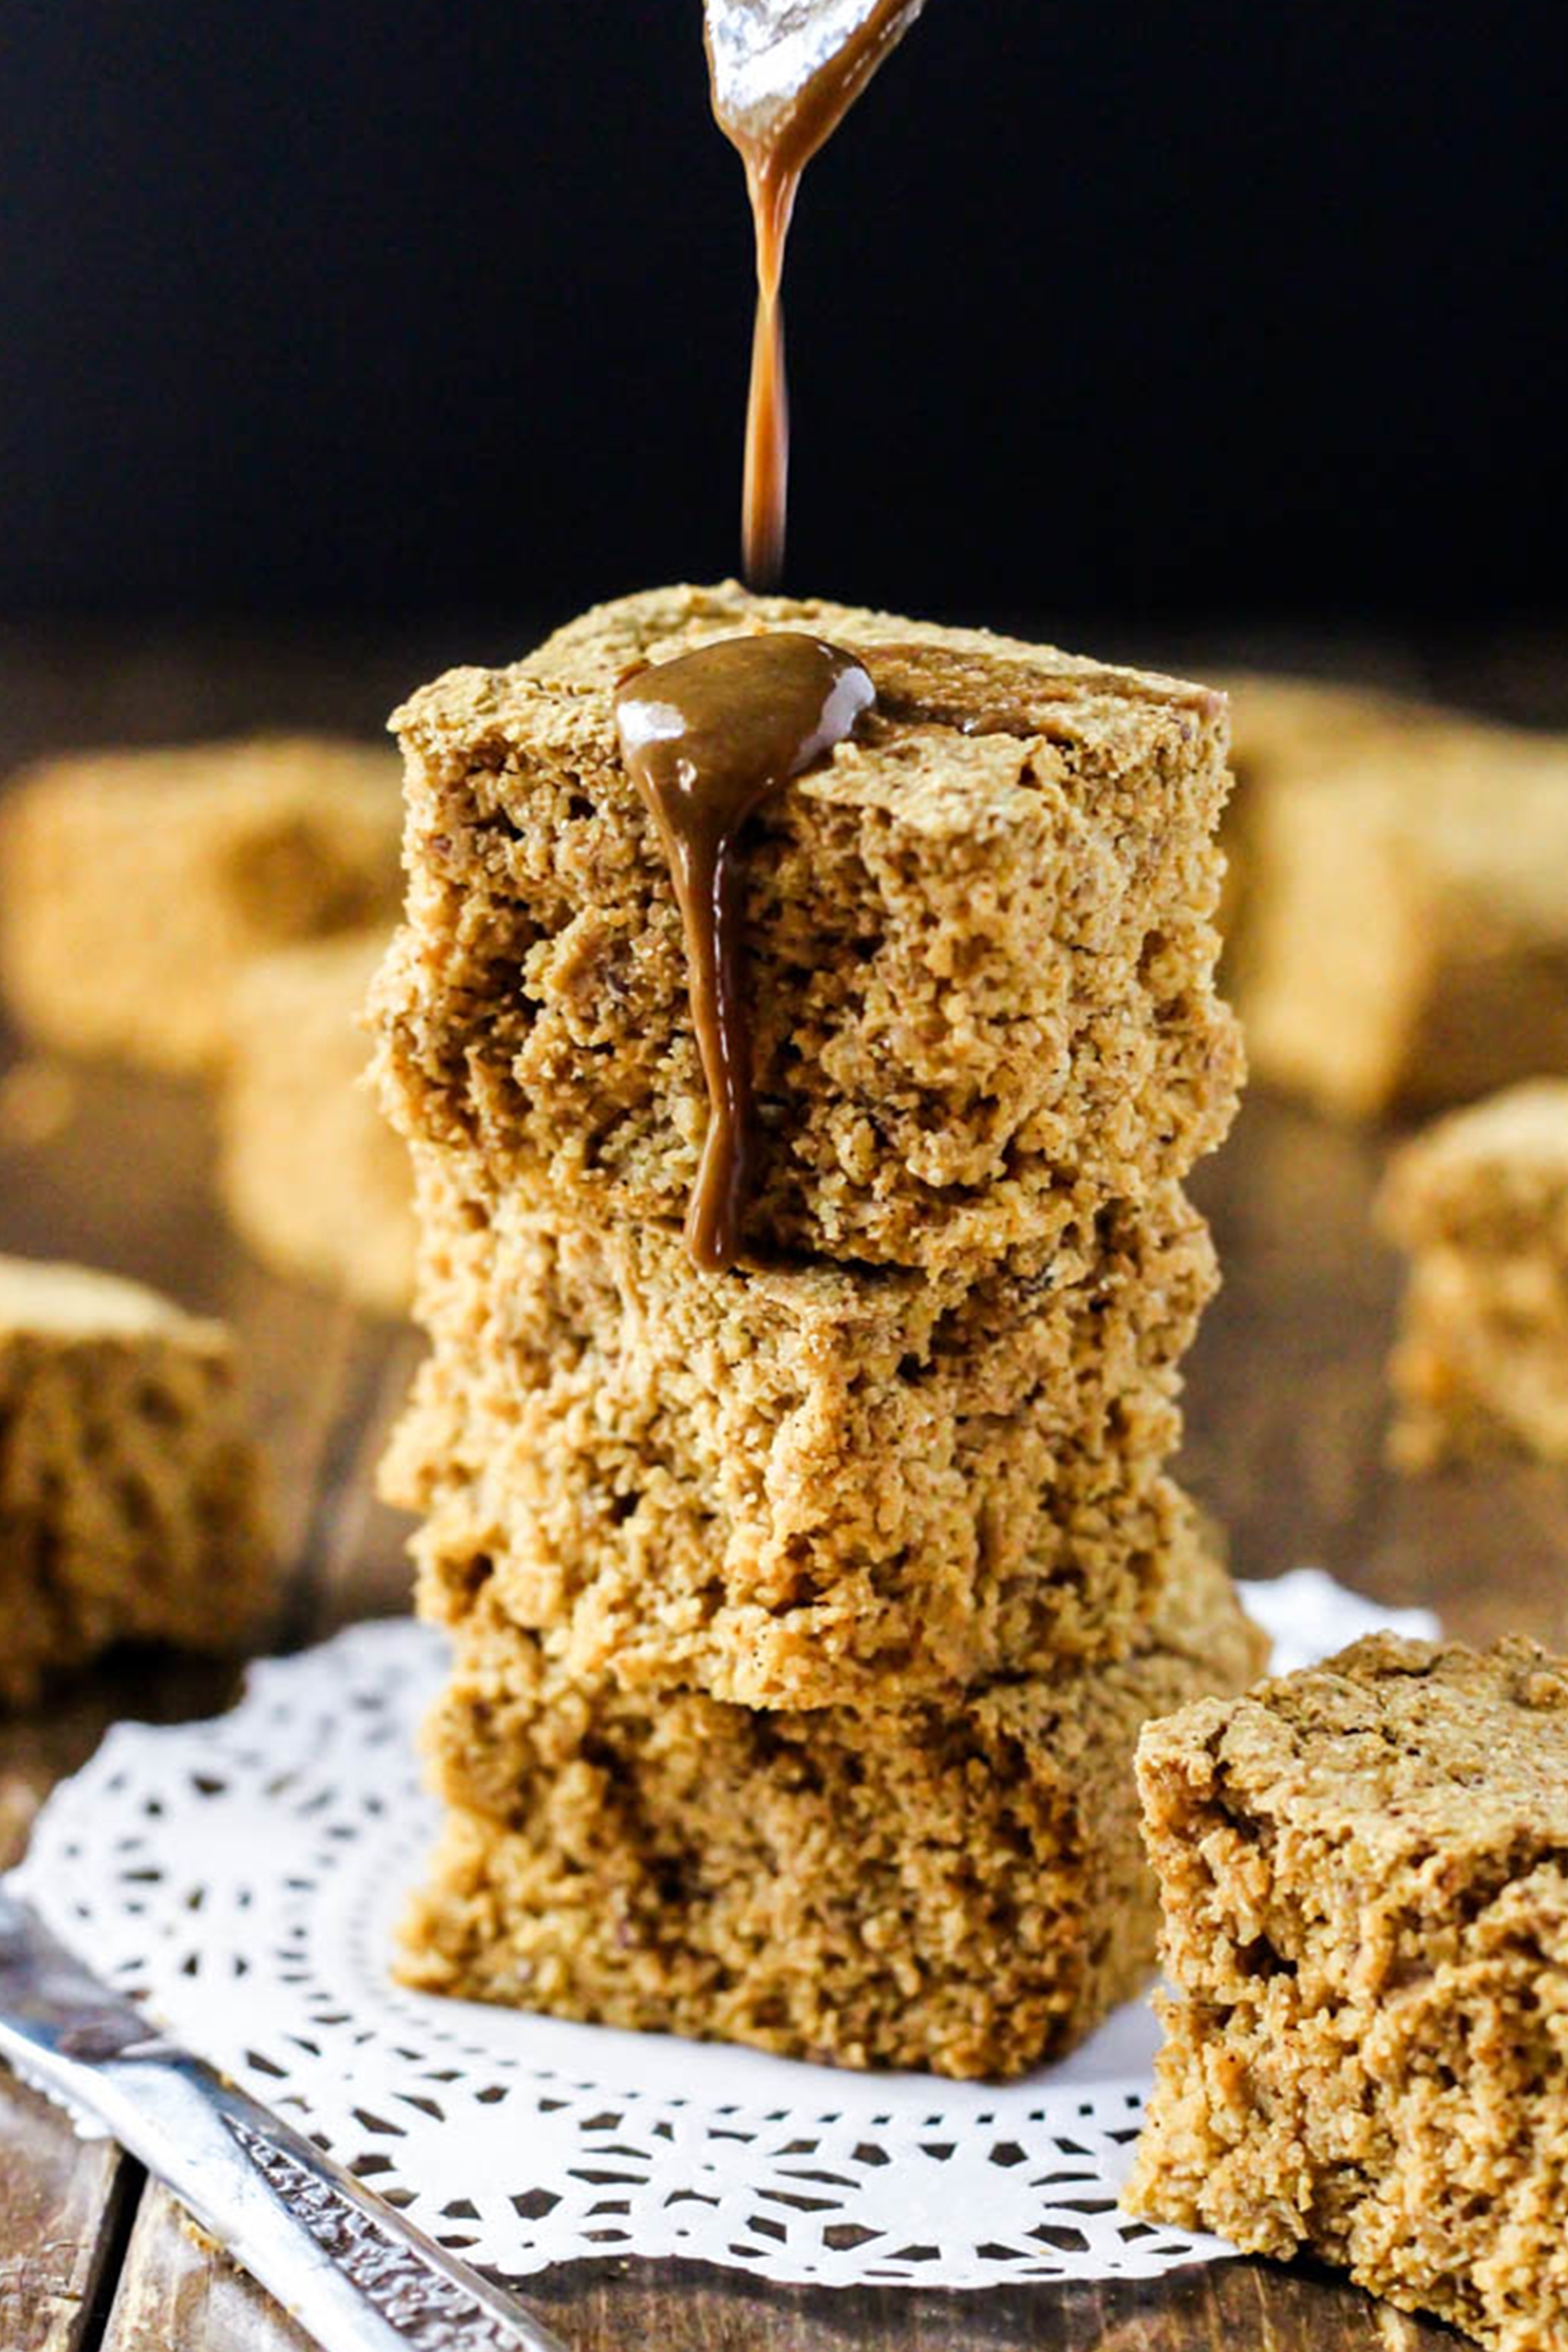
(1364, 1871)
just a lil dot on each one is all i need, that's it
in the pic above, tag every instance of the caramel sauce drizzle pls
(708, 738)
(784, 73)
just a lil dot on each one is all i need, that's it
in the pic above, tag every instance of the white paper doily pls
(244, 1875)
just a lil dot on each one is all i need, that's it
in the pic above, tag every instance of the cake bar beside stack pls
(1362, 1870)
(805, 1613)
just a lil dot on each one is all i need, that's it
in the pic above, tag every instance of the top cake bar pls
(980, 941)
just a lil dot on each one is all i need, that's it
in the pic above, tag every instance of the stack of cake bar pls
(805, 1614)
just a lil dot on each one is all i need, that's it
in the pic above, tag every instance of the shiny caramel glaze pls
(708, 738)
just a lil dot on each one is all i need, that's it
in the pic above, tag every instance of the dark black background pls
(340, 305)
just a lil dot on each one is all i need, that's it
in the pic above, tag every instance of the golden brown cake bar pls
(954, 1884)
(1406, 942)
(1481, 1203)
(135, 886)
(309, 1171)
(130, 1496)
(805, 1612)
(978, 936)
(796, 1487)
(1364, 1876)
(1288, 731)
(1282, 725)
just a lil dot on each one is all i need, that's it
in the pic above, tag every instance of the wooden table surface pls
(1285, 1415)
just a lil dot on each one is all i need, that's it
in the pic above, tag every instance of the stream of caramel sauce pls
(784, 73)
(708, 739)
(711, 735)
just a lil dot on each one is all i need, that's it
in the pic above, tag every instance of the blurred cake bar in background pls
(1285, 729)
(980, 941)
(1481, 1203)
(309, 1171)
(1363, 1869)
(1403, 907)
(793, 1485)
(956, 1883)
(134, 885)
(131, 1501)
(1282, 725)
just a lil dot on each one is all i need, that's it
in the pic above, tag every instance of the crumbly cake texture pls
(1364, 1877)
(135, 884)
(1406, 941)
(805, 1614)
(980, 942)
(955, 1884)
(803, 1486)
(1481, 1203)
(131, 1503)
(309, 1171)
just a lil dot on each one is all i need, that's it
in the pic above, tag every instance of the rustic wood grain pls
(1287, 1411)
(1229, 2307)
(62, 2209)
(63, 2206)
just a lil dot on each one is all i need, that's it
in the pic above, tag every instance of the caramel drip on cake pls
(708, 738)
(784, 73)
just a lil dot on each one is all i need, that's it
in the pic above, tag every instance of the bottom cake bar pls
(955, 1884)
